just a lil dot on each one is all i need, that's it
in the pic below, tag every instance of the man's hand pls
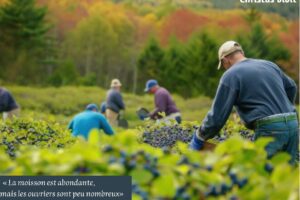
(143, 113)
(196, 143)
(143, 117)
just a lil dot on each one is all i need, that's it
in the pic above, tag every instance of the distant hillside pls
(222, 19)
(288, 10)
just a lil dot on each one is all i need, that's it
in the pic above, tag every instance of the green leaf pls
(208, 177)
(94, 137)
(183, 169)
(141, 176)
(280, 172)
(136, 197)
(257, 193)
(164, 186)
(116, 168)
(262, 142)
(169, 160)
(280, 158)
(234, 144)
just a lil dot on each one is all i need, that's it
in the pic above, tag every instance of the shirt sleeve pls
(290, 87)
(105, 126)
(70, 126)
(160, 105)
(219, 112)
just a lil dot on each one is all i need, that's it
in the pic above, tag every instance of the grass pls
(61, 104)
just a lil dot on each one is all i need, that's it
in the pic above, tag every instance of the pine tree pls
(174, 67)
(257, 44)
(22, 24)
(23, 31)
(150, 62)
(202, 65)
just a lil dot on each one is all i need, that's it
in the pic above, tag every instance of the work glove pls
(196, 143)
(143, 117)
(143, 113)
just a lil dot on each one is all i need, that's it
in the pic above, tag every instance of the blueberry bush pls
(236, 169)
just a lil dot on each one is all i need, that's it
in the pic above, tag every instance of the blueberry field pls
(58, 56)
(155, 154)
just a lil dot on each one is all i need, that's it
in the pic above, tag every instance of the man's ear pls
(225, 61)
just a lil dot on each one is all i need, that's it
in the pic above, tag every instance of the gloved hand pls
(142, 113)
(196, 143)
(143, 117)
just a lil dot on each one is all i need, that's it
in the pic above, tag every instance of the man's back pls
(84, 122)
(260, 88)
(114, 101)
(164, 101)
(7, 102)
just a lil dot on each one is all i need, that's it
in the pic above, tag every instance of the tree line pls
(105, 45)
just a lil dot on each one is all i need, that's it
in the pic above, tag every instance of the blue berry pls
(179, 191)
(107, 148)
(185, 196)
(209, 168)
(196, 165)
(269, 168)
(233, 178)
(242, 182)
(224, 189)
(112, 159)
(155, 173)
(132, 164)
(183, 160)
(147, 167)
(123, 154)
(122, 160)
(233, 198)
(212, 191)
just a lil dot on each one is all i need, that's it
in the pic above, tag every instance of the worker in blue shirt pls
(84, 122)
(264, 97)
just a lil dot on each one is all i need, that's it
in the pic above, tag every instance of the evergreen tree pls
(174, 67)
(257, 44)
(202, 65)
(65, 74)
(23, 24)
(23, 35)
(150, 62)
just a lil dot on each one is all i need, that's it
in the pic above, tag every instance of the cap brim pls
(146, 90)
(120, 85)
(220, 65)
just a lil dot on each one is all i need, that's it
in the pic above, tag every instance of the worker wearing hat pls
(264, 97)
(83, 123)
(163, 102)
(114, 102)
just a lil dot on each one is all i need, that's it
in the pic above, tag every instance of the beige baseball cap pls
(226, 49)
(115, 83)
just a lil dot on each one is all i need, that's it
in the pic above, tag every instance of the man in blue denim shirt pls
(263, 96)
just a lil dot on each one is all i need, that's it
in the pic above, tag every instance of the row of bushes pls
(67, 101)
(236, 169)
